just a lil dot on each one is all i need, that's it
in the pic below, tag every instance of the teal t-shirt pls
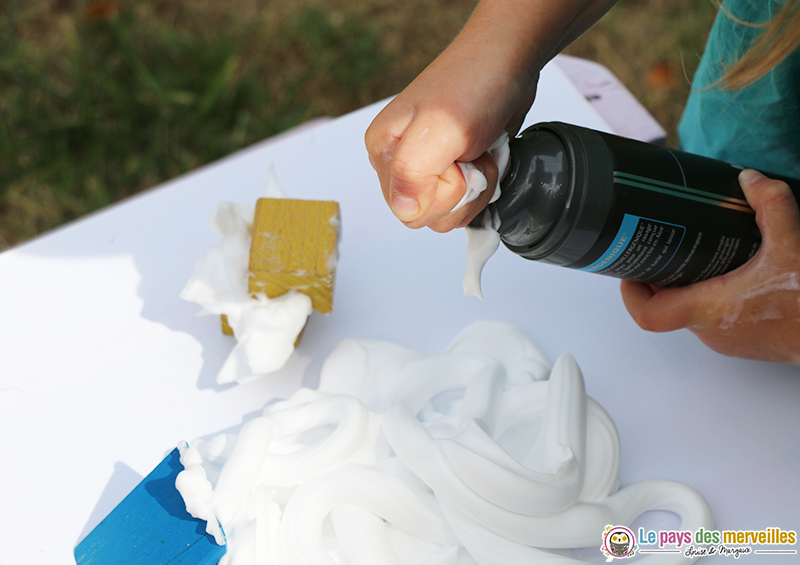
(757, 126)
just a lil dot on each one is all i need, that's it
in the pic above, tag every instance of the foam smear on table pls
(481, 454)
(266, 329)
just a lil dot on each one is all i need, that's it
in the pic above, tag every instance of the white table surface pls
(104, 369)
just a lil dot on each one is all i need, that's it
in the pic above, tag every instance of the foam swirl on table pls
(480, 454)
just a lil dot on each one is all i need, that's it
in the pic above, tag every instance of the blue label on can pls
(641, 248)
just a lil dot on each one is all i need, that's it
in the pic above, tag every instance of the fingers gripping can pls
(605, 204)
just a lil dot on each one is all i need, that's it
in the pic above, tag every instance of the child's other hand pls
(751, 312)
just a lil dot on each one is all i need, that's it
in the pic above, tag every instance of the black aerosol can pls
(605, 204)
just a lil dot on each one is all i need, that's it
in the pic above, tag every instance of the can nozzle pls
(534, 191)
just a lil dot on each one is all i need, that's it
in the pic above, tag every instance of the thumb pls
(777, 214)
(424, 181)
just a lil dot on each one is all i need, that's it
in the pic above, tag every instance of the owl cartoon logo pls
(618, 543)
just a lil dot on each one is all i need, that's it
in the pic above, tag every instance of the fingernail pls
(403, 207)
(749, 176)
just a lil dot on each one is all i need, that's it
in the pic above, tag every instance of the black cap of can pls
(534, 191)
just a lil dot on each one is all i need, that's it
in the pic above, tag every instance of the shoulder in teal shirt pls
(757, 126)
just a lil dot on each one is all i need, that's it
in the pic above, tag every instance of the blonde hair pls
(779, 37)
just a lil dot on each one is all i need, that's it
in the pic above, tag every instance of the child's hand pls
(483, 83)
(453, 111)
(751, 312)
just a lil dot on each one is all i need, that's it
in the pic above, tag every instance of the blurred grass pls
(99, 99)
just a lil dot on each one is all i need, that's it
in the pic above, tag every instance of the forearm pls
(505, 43)
(531, 32)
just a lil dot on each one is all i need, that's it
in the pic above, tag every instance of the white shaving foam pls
(484, 241)
(265, 329)
(481, 245)
(476, 182)
(482, 454)
(780, 283)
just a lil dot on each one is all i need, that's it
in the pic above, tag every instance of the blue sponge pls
(151, 527)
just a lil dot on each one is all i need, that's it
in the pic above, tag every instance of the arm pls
(751, 312)
(484, 82)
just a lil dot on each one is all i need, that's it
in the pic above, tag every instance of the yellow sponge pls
(294, 247)
(226, 327)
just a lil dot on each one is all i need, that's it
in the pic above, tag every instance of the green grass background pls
(101, 99)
